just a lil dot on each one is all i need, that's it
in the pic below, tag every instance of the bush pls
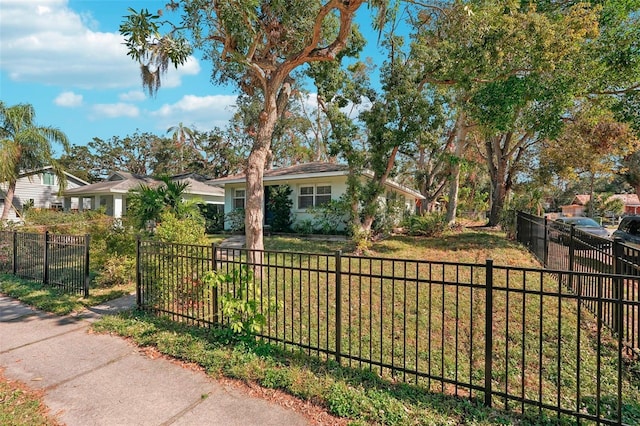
(427, 225)
(172, 229)
(331, 217)
(214, 217)
(304, 227)
(236, 220)
(117, 270)
(280, 204)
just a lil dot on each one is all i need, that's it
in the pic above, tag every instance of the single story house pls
(312, 184)
(112, 193)
(39, 189)
(578, 205)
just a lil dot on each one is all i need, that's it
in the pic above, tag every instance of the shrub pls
(427, 225)
(172, 229)
(280, 204)
(331, 217)
(214, 217)
(117, 270)
(304, 227)
(236, 220)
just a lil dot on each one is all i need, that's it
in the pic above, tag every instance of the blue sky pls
(66, 58)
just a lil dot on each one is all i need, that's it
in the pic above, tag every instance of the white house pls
(112, 193)
(39, 189)
(312, 185)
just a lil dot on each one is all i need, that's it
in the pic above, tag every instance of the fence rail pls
(531, 341)
(564, 247)
(60, 261)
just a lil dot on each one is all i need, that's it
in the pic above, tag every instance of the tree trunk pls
(498, 195)
(8, 201)
(254, 216)
(454, 185)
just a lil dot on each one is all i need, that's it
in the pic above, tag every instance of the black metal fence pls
(60, 261)
(559, 246)
(518, 339)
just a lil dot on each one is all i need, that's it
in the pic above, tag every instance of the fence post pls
(87, 240)
(572, 249)
(45, 278)
(214, 289)
(545, 252)
(488, 333)
(138, 275)
(618, 292)
(338, 306)
(15, 252)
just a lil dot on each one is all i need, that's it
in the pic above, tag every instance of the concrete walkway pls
(91, 379)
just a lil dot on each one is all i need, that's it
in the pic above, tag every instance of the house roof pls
(627, 199)
(581, 199)
(310, 170)
(25, 173)
(122, 182)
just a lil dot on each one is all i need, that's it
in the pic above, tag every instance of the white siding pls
(43, 196)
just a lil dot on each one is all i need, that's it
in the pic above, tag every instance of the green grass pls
(51, 299)
(20, 406)
(359, 395)
(442, 320)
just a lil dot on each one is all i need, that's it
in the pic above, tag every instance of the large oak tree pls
(254, 45)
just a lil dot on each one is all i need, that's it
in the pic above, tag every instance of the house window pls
(238, 198)
(48, 178)
(313, 196)
(323, 195)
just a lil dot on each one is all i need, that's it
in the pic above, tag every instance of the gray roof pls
(313, 169)
(123, 182)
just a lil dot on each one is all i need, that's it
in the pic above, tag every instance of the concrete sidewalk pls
(91, 379)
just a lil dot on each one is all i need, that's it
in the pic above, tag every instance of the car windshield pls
(585, 222)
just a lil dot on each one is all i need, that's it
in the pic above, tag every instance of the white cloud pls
(115, 110)
(132, 96)
(44, 41)
(202, 112)
(68, 99)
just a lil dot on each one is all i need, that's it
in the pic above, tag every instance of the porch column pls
(80, 204)
(117, 206)
(96, 202)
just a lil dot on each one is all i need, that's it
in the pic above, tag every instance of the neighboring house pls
(579, 204)
(39, 188)
(112, 193)
(312, 185)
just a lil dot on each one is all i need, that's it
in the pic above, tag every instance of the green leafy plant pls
(332, 216)
(242, 308)
(426, 225)
(304, 227)
(236, 220)
(280, 204)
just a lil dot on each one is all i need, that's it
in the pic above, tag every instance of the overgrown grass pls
(20, 406)
(51, 299)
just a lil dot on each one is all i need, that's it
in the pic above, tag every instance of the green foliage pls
(304, 227)
(174, 229)
(242, 307)
(331, 217)
(24, 145)
(213, 215)
(117, 271)
(280, 204)
(426, 225)
(236, 220)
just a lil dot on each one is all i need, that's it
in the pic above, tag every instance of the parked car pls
(560, 231)
(628, 231)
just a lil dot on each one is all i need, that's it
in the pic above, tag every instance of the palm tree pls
(25, 146)
(182, 136)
